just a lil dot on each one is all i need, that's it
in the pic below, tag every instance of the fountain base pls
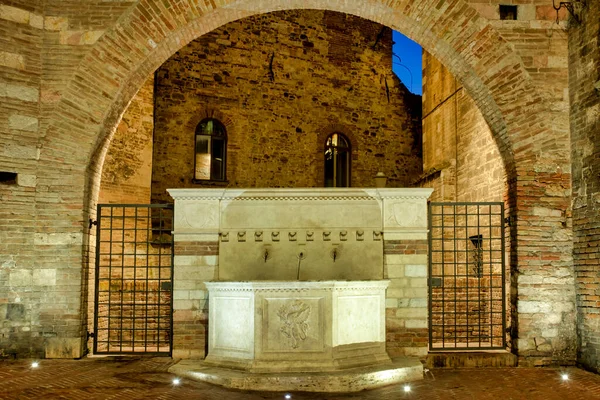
(289, 326)
(349, 380)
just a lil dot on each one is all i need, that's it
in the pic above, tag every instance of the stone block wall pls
(584, 91)
(542, 275)
(405, 265)
(24, 278)
(462, 162)
(42, 268)
(196, 259)
(281, 83)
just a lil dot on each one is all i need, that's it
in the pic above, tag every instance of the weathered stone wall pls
(127, 172)
(280, 83)
(461, 161)
(542, 275)
(42, 271)
(23, 276)
(584, 89)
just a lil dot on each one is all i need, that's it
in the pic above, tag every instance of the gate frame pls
(429, 273)
(98, 224)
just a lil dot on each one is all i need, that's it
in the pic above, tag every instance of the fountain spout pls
(301, 256)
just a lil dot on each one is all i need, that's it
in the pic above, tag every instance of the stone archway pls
(149, 33)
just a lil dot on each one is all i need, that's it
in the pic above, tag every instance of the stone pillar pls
(195, 261)
(405, 265)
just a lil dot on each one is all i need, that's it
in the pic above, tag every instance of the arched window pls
(337, 161)
(211, 150)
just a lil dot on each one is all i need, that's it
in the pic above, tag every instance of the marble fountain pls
(298, 296)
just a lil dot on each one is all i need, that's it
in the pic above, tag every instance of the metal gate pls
(134, 269)
(466, 276)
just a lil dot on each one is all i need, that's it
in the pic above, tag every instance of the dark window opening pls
(8, 178)
(508, 12)
(210, 151)
(337, 161)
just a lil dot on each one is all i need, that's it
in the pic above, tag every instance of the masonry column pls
(196, 237)
(405, 265)
(543, 285)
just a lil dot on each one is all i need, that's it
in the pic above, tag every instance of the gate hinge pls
(92, 223)
(91, 335)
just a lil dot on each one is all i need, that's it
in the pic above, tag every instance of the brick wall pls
(584, 73)
(88, 59)
(21, 284)
(127, 170)
(461, 160)
(330, 72)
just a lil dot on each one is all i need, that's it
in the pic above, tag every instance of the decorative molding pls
(294, 286)
(360, 235)
(343, 236)
(288, 194)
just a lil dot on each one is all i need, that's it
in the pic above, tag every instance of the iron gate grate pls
(466, 276)
(134, 269)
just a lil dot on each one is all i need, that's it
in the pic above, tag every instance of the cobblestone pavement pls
(147, 378)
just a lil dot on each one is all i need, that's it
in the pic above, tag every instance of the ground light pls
(407, 388)
(35, 364)
(288, 396)
(564, 377)
(176, 381)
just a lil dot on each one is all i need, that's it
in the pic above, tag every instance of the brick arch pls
(113, 70)
(327, 130)
(476, 54)
(205, 113)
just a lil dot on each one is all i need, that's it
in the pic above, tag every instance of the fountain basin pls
(296, 326)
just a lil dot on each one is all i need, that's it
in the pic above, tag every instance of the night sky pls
(410, 59)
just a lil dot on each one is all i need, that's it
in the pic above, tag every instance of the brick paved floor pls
(146, 378)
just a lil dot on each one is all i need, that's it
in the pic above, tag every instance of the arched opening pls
(337, 68)
(337, 161)
(493, 74)
(210, 151)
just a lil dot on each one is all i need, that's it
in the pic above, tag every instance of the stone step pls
(349, 380)
(470, 359)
